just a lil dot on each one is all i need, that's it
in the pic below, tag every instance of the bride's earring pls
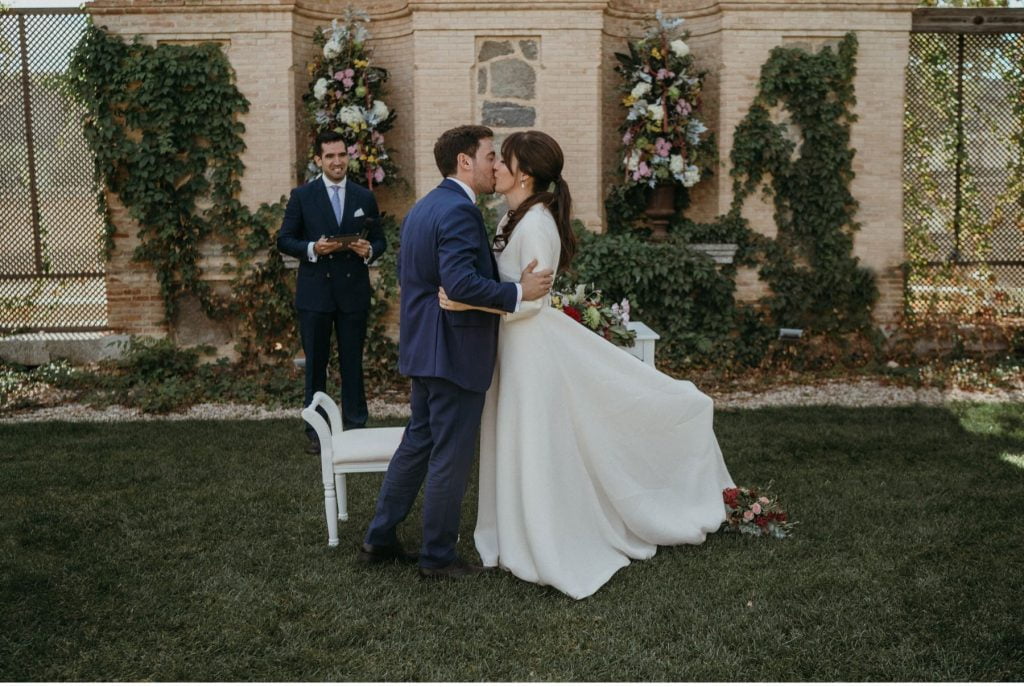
(522, 183)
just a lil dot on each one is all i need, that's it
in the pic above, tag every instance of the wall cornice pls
(698, 8)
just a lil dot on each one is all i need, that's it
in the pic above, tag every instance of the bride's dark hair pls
(540, 156)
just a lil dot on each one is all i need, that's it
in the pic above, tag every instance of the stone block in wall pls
(507, 76)
(505, 114)
(193, 327)
(513, 78)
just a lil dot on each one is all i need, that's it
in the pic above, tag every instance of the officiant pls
(332, 225)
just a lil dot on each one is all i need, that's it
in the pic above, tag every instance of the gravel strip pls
(861, 395)
(845, 394)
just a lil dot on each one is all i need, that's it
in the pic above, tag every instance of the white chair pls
(341, 452)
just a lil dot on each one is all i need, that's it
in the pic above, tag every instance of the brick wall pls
(431, 52)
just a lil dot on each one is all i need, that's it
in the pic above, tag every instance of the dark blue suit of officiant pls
(333, 292)
(450, 357)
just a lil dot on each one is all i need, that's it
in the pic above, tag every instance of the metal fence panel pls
(964, 165)
(52, 268)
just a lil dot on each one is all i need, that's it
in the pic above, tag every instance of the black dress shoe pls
(385, 554)
(456, 570)
(313, 448)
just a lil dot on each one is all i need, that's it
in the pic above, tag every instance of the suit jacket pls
(444, 243)
(339, 281)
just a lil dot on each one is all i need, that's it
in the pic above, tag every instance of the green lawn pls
(197, 551)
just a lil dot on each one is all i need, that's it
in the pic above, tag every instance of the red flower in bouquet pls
(584, 304)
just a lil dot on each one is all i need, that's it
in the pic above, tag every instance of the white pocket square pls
(358, 213)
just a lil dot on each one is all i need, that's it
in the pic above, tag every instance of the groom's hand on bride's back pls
(535, 284)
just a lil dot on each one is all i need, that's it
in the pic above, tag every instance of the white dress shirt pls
(310, 253)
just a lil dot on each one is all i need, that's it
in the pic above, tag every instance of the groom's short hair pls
(462, 139)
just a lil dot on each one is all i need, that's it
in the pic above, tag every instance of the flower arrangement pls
(749, 510)
(346, 95)
(584, 305)
(663, 138)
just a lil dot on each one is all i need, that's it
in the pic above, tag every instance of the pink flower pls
(662, 147)
(347, 82)
(683, 107)
(764, 500)
(377, 137)
(665, 74)
(627, 138)
(756, 509)
(378, 174)
(353, 150)
(747, 516)
(642, 172)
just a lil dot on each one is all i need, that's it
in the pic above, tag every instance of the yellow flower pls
(656, 53)
(361, 63)
(628, 101)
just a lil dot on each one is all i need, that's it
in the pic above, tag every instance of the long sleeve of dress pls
(534, 238)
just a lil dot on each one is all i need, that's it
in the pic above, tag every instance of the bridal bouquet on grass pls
(749, 510)
(584, 305)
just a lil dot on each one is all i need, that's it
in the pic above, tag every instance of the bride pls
(588, 457)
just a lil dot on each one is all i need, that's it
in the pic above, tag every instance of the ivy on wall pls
(816, 281)
(163, 127)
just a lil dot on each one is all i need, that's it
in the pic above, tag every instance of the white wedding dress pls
(588, 456)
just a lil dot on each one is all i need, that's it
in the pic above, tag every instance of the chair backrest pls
(324, 432)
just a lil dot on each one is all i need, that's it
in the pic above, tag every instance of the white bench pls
(341, 452)
(646, 338)
(721, 253)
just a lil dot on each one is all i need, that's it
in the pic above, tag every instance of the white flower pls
(680, 48)
(320, 89)
(640, 90)
(633, 160)
(639, 109)
(691, 176)
(380, 110)
(655, 112)
(350, 115)
(694, 128)
(332, 49)
(677, 164)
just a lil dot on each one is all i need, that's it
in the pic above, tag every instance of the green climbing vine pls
(164, 129)
(816, 282)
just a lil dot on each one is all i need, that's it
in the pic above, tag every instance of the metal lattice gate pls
(51, 268)
(964, 163)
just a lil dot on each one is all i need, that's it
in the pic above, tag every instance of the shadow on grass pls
(197, 551)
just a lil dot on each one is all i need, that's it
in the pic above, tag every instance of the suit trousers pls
(315, 329)
(439, 446)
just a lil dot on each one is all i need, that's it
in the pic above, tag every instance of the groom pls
(449, 355)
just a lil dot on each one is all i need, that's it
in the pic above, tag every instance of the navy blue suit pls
(333, 293)
(450, 357)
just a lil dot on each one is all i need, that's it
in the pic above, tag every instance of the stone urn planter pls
(660, 208)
